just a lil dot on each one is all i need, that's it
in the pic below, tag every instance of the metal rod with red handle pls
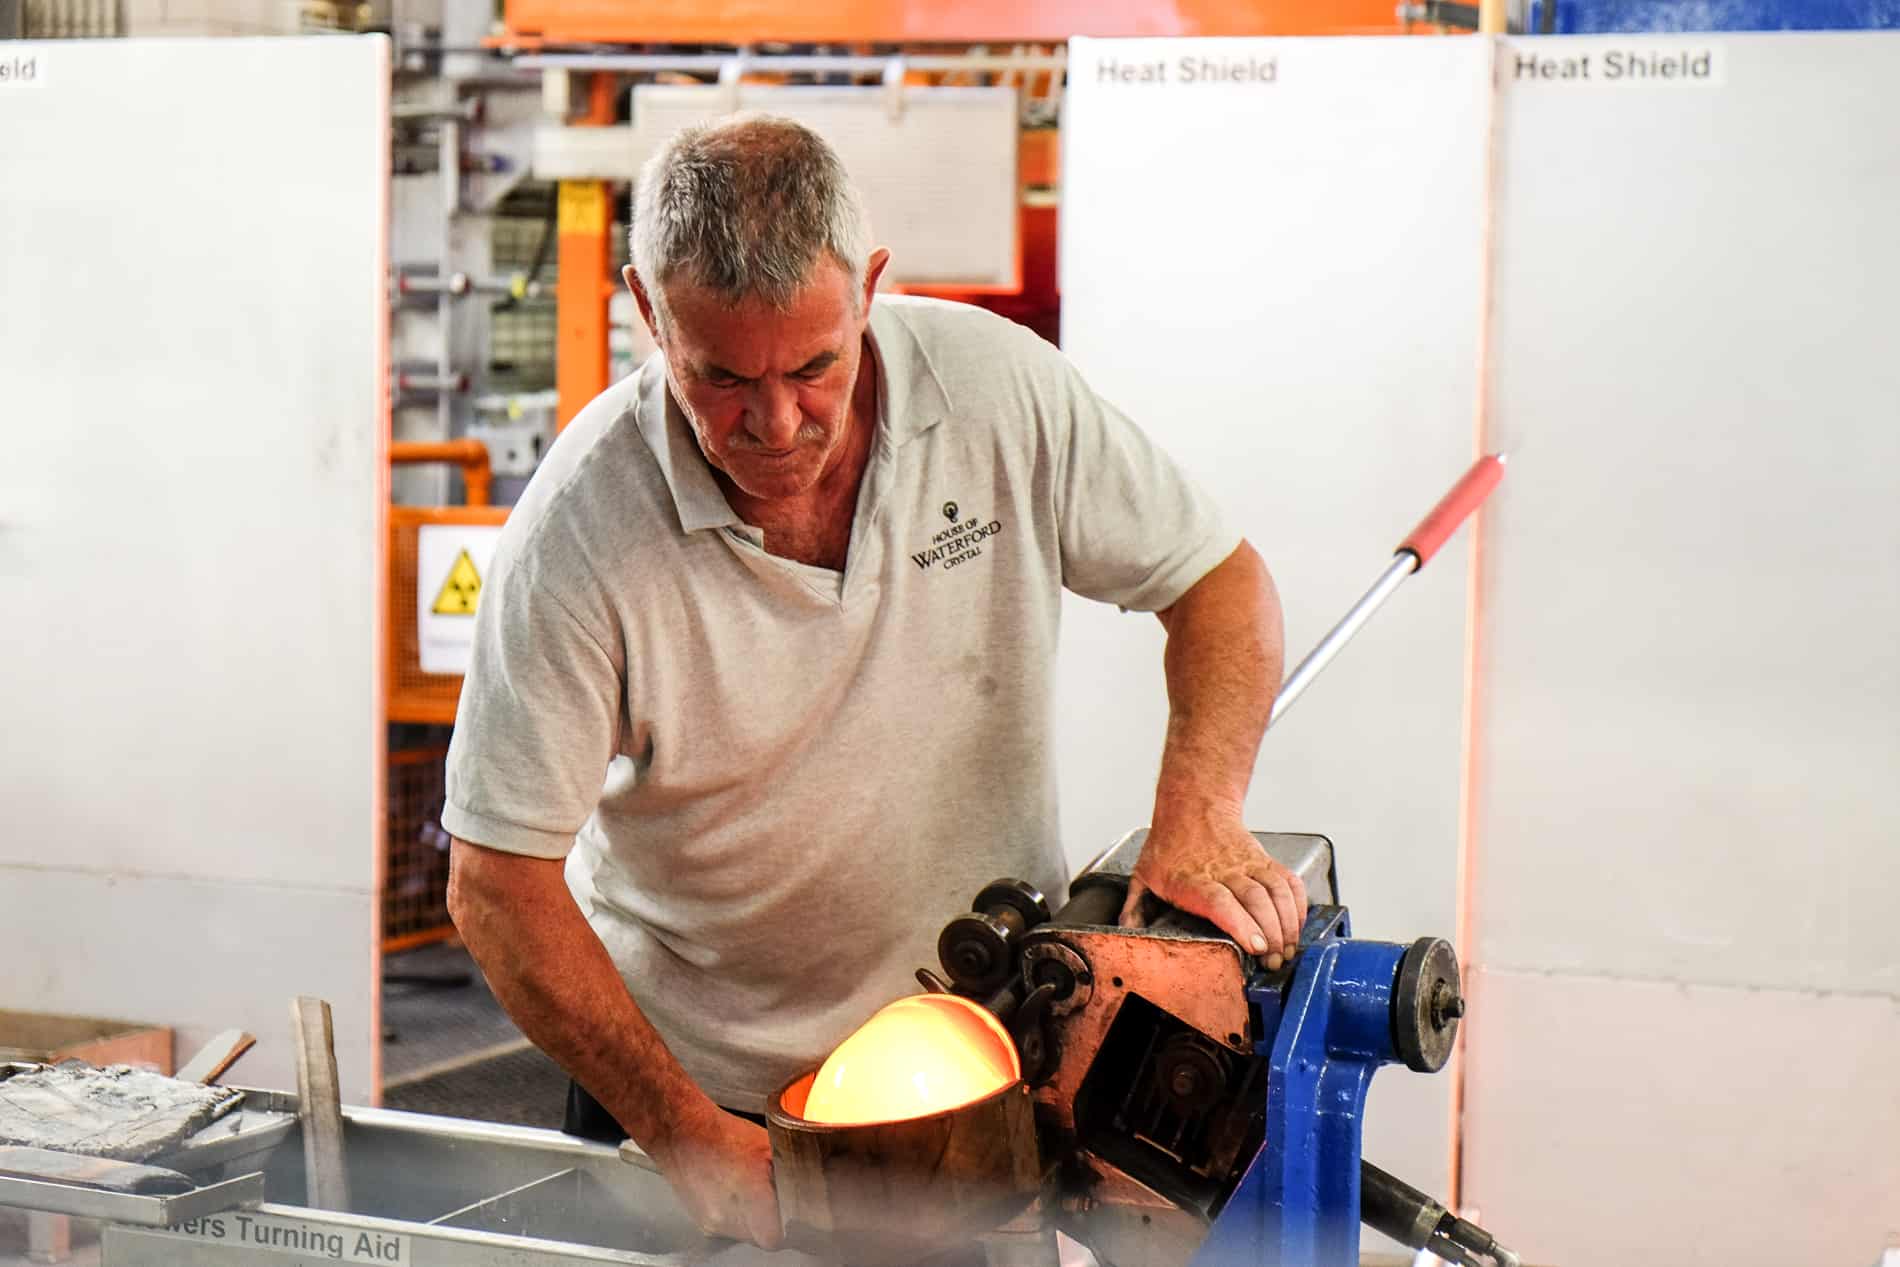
(1413, 553)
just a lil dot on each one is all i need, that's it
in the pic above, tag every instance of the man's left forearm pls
(1223, 663)
(1223, 667)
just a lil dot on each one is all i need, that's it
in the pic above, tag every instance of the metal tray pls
(262, 1120)
(125, 1207)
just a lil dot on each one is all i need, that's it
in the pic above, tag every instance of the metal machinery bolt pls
(1447, 1003)
(1193, 1070)
(1055, 963)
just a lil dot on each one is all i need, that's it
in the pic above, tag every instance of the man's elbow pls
(1245, 565)
(492, 891)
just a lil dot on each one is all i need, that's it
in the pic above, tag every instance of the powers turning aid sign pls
(451, 560)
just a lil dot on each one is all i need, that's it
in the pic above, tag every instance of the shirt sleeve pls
(1135, 530)
(538, 721)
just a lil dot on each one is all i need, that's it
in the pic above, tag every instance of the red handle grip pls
(1453, 509)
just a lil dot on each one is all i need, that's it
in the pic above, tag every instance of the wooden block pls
(320, 1105)
(217, 1056)
(40, 1038)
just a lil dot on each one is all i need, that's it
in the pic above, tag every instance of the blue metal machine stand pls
(1343, 1009)
(1323, 1035)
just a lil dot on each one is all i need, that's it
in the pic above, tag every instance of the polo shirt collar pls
(696, 495)
(911, 400)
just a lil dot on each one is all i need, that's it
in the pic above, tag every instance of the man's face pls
(768, 393)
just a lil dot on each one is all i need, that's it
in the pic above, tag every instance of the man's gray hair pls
(744, 207)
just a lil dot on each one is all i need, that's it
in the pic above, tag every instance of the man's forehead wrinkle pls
(709, 361)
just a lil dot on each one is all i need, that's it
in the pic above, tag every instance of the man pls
(792, 590)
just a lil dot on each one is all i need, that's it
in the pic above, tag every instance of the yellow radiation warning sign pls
(451, 562)
(460, 589)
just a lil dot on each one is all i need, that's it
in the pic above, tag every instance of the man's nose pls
(775, 415)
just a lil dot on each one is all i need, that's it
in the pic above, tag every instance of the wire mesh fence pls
(416, 857)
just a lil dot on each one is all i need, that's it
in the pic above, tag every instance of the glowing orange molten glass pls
(918, 1056)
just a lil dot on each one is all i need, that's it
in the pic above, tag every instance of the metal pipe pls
(469, 454)
(1413, 553)
(462, 112)
(429, 381)
(517, 286)
(449, 161)
(1403, 564)
(429, 284)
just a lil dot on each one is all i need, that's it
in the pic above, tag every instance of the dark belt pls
(588, 1119)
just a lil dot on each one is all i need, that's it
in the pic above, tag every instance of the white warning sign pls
(451, 562)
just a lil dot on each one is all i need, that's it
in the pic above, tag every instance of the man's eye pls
(721, 380)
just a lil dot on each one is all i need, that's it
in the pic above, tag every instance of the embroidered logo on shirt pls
(959, 543)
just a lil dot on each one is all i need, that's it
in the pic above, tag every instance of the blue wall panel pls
(1595, 17)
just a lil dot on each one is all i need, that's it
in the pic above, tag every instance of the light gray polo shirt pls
(806, 772)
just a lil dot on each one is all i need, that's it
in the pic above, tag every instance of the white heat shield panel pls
(1687, 810)
(1692, 679)
(1270, 261)
(937, 166)
(1613, 1122)
(193, 401)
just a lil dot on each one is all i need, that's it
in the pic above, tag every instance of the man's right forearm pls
(553, 976)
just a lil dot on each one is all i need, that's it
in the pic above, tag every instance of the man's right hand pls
(554, 978)
(721, 1167)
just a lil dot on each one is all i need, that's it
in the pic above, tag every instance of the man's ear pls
(873, 269)
(644, 300)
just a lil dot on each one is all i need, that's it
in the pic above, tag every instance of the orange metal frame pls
(584, 287)
(932, 21)
(403, 907)
(470, 455)
(425, 937)
(409, 694)
(412, 695)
